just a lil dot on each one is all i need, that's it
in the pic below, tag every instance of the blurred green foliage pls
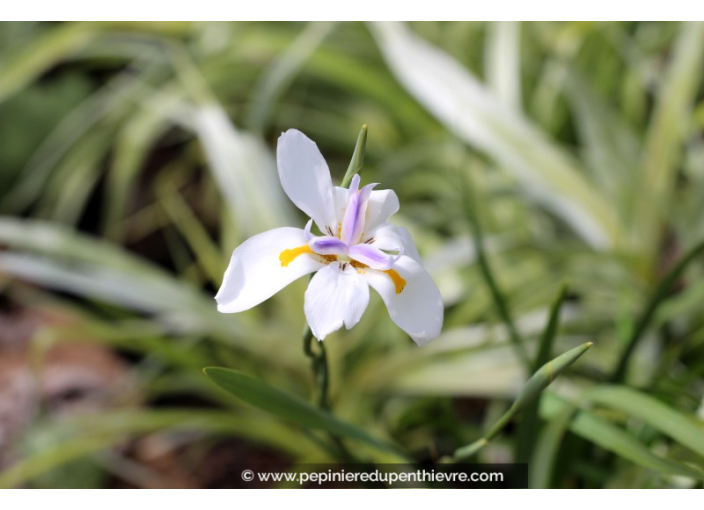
(136, 156)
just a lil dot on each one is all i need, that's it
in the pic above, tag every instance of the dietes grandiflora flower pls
(357, 248)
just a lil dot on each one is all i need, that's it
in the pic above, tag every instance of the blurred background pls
(134, 157)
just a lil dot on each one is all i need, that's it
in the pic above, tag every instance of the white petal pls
(305, 177)
(335, 297)
(389, 237)
(418, 308)
(256, 272)
(382, 205)
(341, 197)
(409, 247)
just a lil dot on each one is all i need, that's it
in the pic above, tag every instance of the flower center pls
(288, 256)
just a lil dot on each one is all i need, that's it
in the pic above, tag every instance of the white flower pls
(357, 248)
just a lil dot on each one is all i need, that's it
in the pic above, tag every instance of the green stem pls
(308, 341)
(319, 364)
(323, 375)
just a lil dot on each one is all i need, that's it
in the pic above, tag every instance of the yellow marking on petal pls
(287, 256)
(399, 282)
(339, 230)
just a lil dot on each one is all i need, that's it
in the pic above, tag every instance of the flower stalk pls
(319, 365)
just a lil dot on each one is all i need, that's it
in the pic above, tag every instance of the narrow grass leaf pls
(610, 437)
(473, 113)
(283, 71)
(530, 391)
(530, 422)
(547, 449)
(245, 172)
(76, 437)
(503, 61)
(667, 132)
(680, 427)
(289, 407)
(660, 293)
(497, 295)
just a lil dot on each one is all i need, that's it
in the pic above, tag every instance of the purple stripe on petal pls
(350, 219)
(353, 221)
(363, 195)
(372, 257)
(327, 245)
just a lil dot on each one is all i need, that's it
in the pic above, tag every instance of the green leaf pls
(289, 407)
(244, 170)
(179, 303)
(194, 232)
(548, 337)
(660, 294)
(45, 51)
(547, 374)
(497, 295)
(283, 71)
(468, 109)
(547, 449)
(610, 148)
(530, 391)
(92, 113)
(503, 61)
(652, 411)
(529, 426)
(357, 161)
(610, 437)
(667, 133)
(132, 145)
(78, 436)
(62, 42)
